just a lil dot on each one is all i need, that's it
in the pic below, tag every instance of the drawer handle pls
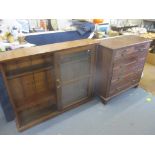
(134, 80)
(118, 88)
(90, 52)
(142, 49)
(58, 83)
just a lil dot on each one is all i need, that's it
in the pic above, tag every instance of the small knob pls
(58, 83)
(117, 88)
(122, 54)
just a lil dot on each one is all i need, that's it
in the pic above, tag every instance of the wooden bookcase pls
(31, 84)
(43, 86)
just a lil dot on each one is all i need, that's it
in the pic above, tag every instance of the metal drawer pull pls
(89, 51)
(118, 88)
(142, 49)
(58, 83)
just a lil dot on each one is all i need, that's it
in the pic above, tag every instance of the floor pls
(148, 80)
(132, 112)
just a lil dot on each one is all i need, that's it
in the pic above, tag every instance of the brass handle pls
(88, 51)
(142, 49)
(58, 83)
(118, 89)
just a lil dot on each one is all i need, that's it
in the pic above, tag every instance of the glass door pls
(74, 75)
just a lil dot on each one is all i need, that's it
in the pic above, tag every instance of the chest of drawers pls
(119, 67)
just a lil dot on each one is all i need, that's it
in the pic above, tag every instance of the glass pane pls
(75, 65)
(74, 91)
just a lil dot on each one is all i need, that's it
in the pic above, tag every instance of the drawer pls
(126, 78)
(139, 50)
(117, 72)
(125, 60)
(124, 82)
(124, 52)
(122, 67)
(116, 90)
(133, 67)
(126, 66)
(142, 47)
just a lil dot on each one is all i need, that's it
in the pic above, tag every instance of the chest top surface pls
(123, 41)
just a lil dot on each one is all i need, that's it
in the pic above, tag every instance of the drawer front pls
(125, 67)
(139, 50)
(143, 47)
(124, 52)
(129, 64)
(123, 70)
(122, 83)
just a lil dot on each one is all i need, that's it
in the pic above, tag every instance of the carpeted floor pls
(128, 113)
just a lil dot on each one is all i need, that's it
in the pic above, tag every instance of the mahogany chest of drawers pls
(120, 63)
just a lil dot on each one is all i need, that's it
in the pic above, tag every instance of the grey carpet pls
(128, 113)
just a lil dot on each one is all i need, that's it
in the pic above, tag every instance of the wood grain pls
(45, 49)
(123, 41)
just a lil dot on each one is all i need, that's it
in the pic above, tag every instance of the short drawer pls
(139, 50)
(142, 47)
(125, 60)
(124, 52)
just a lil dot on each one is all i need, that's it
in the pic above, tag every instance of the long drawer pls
(124, 82)
(133, 61)
(131, 66)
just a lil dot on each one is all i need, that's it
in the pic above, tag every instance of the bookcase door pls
(74, 75)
